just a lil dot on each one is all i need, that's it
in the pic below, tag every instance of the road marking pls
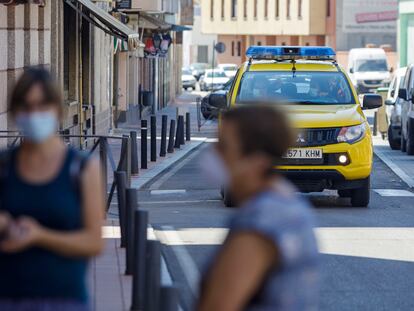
(163, 192)
(167, 235)
(180, 201)
(366, 242)
(394, 193)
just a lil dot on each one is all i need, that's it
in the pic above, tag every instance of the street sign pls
(220, 47)
(123, 4)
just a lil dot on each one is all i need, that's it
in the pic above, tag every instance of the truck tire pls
(360, 196)
(227, 199)
(410, 138)
(395, 144)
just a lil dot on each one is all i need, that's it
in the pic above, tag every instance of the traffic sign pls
(220, 47)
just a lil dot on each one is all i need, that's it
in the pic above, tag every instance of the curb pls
(398, 171)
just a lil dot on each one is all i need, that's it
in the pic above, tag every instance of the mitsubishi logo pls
(300, 138)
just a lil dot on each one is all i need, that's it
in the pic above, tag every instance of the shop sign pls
(123, 4)
(16, 2)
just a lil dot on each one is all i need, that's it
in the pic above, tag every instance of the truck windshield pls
(315, 88)
(367, 65)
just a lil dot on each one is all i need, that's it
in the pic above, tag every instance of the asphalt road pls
(367, 253)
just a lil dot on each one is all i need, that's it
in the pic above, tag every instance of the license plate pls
(304, 154)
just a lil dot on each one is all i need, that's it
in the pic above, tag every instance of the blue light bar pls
(290, 52)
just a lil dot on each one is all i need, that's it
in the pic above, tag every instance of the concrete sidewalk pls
(110, 288)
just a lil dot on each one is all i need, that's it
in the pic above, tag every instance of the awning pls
(109, 24)
(151, 22)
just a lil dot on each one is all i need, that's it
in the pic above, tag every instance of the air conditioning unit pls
(150, 6)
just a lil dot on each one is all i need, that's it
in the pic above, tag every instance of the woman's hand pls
(22, 234)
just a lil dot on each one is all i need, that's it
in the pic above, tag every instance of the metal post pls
(163, 149)
(171, 138)
(198, 104)
(153, 138)
(120, 179)
(140, 243)
(103, 156)
(182, 130)
(134, 153)
(131, 206)
(375, 129)
(144, 144)
(128, 159)
(187, 126)
(169, 299)
(177, 134)
(153, 276)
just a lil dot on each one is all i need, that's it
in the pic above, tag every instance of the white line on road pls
(180, 201)
(187, 264)
(164, 192)
(394, 193)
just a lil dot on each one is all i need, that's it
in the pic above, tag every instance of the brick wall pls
(24, 41)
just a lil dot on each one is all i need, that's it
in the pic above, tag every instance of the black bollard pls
(171, 138)
(131, 206)
(153, 276)
(163, 149)
(182, 130)
(177, 143)
(140, 245)
(187, 126)
(120, 179)
(153, 138)
(134, 153)
(169, 298)
(144, 144)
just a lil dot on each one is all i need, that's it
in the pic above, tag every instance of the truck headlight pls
(351, 134)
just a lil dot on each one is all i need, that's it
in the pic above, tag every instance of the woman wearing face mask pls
(50, 218)
(269, 259)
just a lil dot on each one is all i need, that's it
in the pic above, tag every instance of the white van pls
(368, 69)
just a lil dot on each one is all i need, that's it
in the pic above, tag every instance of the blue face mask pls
(37, 126)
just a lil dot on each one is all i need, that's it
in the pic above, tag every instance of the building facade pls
(406, 32)
(241, 23)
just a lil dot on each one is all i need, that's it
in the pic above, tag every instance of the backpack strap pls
(5, 162)
(77, 166)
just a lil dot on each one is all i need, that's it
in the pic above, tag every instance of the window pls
(232, 48)
(233, 8)
(238, 49)
(211, 9)
(300, 8)
(328, 8)
(255, 9)
(259, 43)
(277, 9)
(245, 8)
(288, 9)
(222, 9)
(266, 6)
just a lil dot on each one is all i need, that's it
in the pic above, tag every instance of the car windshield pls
(186, 72)
(366, 65)
(215, 74)
(329, 88)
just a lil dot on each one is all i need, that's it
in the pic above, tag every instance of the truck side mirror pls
(218, 100)
(391, 69)
(402, 93)
(371, 101)
(389, 102)
(351, 70)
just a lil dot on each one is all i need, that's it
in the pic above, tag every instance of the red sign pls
(373, 17)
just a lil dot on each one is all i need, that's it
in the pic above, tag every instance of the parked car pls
(368, 69)
(229, 69)
(198, 69)
(214, 79)
(210, 107)
(405, 95)
(394, 109)
(187, 79)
